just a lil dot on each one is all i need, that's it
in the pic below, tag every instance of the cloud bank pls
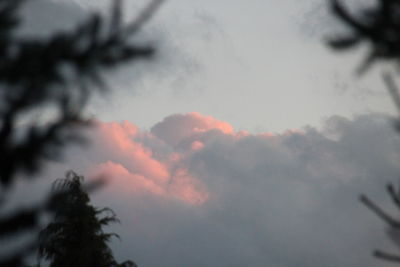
(192, 191)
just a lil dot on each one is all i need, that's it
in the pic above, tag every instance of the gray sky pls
(260, 65)
(246, 142)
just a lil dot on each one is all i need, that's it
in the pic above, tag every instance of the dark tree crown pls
(75, 237)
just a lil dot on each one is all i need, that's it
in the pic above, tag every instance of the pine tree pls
(75, 237)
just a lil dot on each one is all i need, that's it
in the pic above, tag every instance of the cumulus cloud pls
(192, 191)
(141, 168)
(156, 161)
(179, 128)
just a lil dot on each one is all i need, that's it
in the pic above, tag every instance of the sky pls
(245, 142)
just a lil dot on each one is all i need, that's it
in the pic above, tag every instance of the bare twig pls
(378, 211)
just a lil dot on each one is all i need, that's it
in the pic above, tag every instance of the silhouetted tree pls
(75, 236)
(59, 72)
(379, 27)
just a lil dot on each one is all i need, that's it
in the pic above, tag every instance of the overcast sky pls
(260, 65)
(245, 142)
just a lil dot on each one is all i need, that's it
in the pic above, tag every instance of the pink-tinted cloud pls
(120, 139)
(197, 145)
(181, 184)
(158, 161)
(136, 167)
(130, 182)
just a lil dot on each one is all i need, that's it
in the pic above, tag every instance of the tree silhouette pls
(60, 72)
(378, 27)
(75, 237)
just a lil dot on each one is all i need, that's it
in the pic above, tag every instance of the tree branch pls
(378, 211)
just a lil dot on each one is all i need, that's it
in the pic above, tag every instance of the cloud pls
(140, 168)
(213, 196)
(156, 161)
(179, 128)
(192, 191)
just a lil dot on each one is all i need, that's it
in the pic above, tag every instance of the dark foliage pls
(379, 27)
(60, 72)
(75, 237)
